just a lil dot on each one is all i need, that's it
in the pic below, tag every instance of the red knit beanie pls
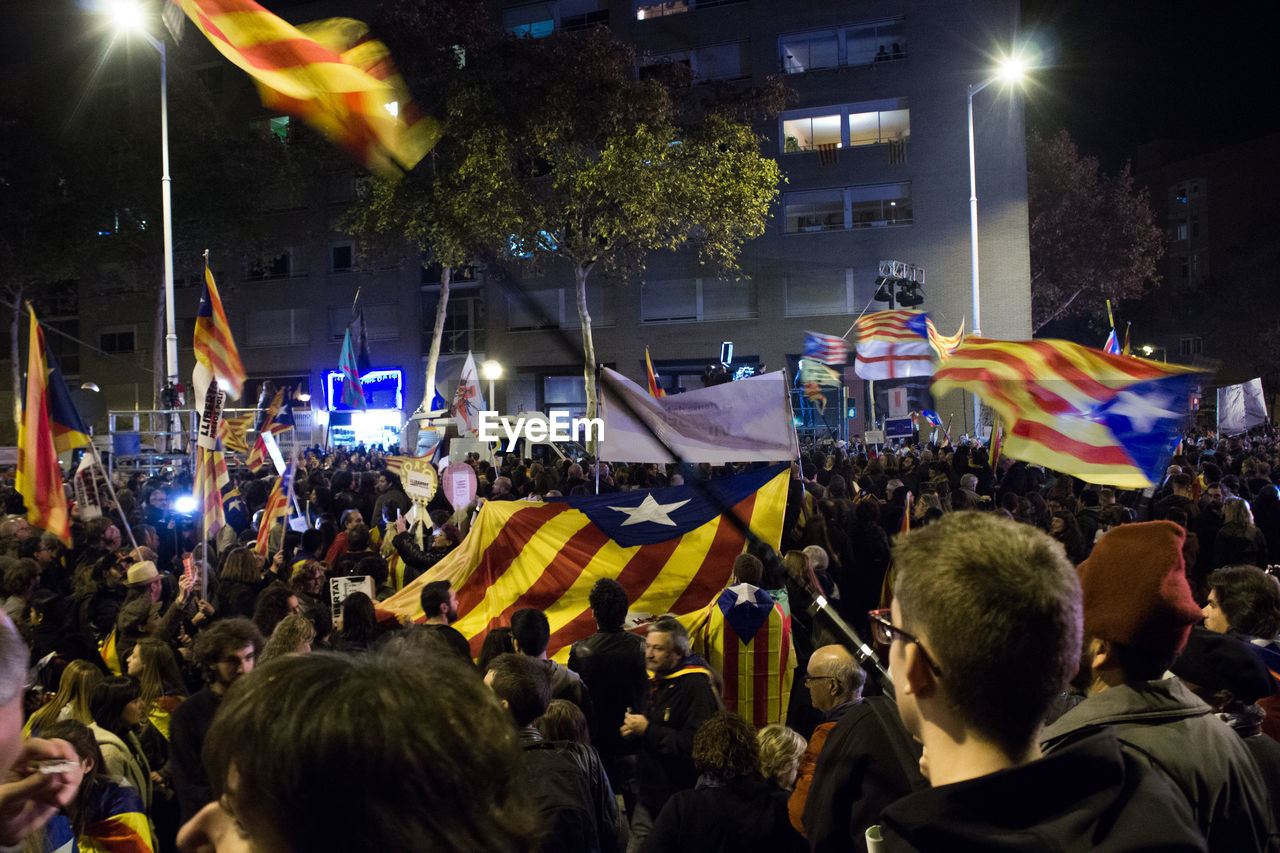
(1135, 588)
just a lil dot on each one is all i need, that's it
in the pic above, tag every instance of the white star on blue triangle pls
(1146, 417)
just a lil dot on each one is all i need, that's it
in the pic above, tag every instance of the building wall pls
(948, 45)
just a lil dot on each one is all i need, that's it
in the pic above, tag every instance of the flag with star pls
(671, 549)
(746, 637)
(1107, 419)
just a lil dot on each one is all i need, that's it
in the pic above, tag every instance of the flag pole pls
(111, 490)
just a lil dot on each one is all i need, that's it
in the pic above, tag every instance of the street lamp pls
(1148, 350)
(1011, 70)
(491, 370)
(129, 16)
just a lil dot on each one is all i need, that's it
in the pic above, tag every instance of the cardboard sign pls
(459, 484)
(873, 436)
(340, 588)
(419, 480)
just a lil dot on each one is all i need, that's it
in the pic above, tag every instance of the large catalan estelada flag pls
(745, 636)
(671, 549)
(43, 426)
(328, 73)
(217, 359)
(1107, 419)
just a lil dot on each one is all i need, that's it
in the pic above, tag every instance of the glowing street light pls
(491, 370)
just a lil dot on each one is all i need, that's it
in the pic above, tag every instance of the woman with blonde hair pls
(780, 751)
(293, 635)
(71, 702)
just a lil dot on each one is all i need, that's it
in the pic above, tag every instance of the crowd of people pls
(1069, 667)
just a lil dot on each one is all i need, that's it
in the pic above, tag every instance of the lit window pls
(648, 10)
(806, 134)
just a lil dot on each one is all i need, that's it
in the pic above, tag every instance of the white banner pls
(1241, 407)
(744, 421)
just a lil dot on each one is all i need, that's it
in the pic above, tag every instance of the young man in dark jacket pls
(984, 632)
(569, 786)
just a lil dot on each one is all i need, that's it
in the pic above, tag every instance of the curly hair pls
(725, 748)
(291, 634)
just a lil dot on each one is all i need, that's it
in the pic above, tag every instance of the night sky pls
(1120, 73)
(1116, 73)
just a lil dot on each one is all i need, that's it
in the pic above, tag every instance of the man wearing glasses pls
(984, 632)
(858, 761)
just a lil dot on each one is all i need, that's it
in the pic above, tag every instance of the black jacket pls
(743, 816)
(578, 811)
(678, 704)
(1087, 797)
(867, 762)
(611, 664)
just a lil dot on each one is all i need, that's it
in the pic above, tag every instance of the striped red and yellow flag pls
(217, 358)
(746, 637)
(329, 74)
(671, 550)
(210, 479)
(655, 390)
(234, 432)
(39, 477)
(277, 507)
(1107, 419)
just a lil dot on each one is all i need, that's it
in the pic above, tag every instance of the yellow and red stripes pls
(549, 555)
(39, 478)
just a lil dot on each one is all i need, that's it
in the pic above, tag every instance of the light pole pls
(1011, 70)
(491, 370)
(130, 17)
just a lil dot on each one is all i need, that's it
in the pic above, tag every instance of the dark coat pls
(188, 725)
(578, 811)
(1165, 725)
(743, 816)
(611, 664)
(1091, 796)
(678, 704)
(867, 762)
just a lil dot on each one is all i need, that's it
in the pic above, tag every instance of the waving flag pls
(352, 390)
(932, 417)
(1113, 344)
(39, 477)
(468, 402)
(234, 432)
(670, 549)
(1104, 418)
(277, 507)
(211, 478)
(279, 418)
(655, 390)
(899, 344)
(329, 74)
(216, 355)
(828, 349)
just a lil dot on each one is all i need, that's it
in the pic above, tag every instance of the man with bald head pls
(859, 759)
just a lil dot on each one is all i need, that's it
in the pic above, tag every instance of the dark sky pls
(1116, 73)
(1124, 72)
